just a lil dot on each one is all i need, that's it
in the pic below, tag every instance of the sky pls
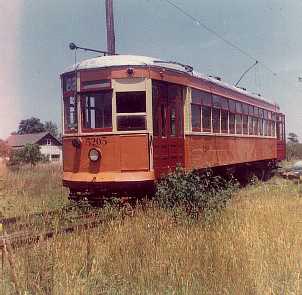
(34, 38)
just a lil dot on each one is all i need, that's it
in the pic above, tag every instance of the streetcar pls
(130, 120)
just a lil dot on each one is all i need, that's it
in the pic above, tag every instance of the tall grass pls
(31, 189)
(251, 247)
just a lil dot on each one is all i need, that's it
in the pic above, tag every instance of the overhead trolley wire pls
(210, 30)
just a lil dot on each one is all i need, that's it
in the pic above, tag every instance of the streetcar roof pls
(136, 60)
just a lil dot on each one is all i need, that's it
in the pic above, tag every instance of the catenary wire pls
(210, 30)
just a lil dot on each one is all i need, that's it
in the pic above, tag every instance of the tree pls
(30, 154)
(52, 128)
(31, 125)
(293, 138)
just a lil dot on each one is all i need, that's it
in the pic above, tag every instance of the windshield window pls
(131, 110)
(97, 110)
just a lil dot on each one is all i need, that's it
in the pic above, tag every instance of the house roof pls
(19, 140)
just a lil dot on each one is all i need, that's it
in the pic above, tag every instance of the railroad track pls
(24, 230)
(19, 239)
(13, 220)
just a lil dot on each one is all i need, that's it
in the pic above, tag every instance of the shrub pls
(194, 192)
(30, 154)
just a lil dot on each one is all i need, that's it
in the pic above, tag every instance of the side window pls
(255, 126)
(238, 118)
(196, 117)
(232, 108)
(238, 124)
(216, 120)
(261, 127)
(201, 111)
(70, 114)
(245, 124)
(206, 119)
(232, 123)
(131, 110)
(224, 121)
(251, 129)
(97, 111)
(206, 101)
(273, 128)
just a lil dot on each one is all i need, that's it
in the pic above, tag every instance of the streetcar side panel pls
(210, 151)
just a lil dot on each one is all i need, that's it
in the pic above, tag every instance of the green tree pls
(292, 137)
(31, 125)
(52, 128)
(30, 154)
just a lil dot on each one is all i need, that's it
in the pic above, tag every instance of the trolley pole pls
(110, 27)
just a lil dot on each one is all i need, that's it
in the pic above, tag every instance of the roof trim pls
(143, 61)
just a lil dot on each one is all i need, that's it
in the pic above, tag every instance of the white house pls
(49, 145)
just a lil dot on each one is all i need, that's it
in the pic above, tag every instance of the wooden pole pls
(110, 27)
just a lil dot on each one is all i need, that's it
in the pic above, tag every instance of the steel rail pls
(19, 239)
(13, 220)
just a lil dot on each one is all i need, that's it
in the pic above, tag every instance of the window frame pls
(254, 121)
(135, 114)
(83, 110)
(66, 129)
(204, 100)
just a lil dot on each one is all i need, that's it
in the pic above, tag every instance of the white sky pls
(9, 104)
(34, 38)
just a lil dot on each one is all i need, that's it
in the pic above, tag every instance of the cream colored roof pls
(136, 60)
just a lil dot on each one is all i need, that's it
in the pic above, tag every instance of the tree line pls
(293, 147)
(34, 125)
(30, 153)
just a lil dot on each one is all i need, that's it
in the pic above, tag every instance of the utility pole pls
(110, 27)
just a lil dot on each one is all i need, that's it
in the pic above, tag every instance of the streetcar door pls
(168, 135)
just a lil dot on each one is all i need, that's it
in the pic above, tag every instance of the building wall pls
(52, 151)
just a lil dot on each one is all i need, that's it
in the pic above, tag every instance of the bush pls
(195, 192)
(30, 154)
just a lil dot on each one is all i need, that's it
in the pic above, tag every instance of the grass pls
(31, 189)
(252, 247)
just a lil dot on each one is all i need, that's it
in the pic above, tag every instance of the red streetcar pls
(128, 120)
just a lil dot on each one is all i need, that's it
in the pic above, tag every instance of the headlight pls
(94, 155)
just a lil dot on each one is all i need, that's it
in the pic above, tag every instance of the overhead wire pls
(219, 36)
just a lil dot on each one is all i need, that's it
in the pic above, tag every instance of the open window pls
(131, 110)
(97, 111)
(70, 114)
